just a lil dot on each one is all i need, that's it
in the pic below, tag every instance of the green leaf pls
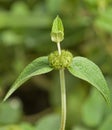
(80, 128)
(57, 33)
(93, 106)
(37, 67)
(107, 123)
(12, 109)
(48, 122)
(26, 126)
(85, 69)
(10, 127)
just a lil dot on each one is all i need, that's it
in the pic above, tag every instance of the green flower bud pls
(60, 61)
(57, 33)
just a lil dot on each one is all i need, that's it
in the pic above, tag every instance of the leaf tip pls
(6, 97)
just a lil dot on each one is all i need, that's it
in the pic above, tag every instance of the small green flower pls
(60, 61)
(57, 33)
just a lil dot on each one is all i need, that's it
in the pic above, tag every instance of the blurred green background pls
(25, 27)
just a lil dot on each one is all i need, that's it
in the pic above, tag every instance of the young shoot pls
(60, 60)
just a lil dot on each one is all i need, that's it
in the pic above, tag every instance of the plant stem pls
(59, 48)
(63, 94)
(63, 99)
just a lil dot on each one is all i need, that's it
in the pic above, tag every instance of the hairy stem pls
(63, 94)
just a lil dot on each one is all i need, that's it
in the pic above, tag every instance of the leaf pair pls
(80, 67)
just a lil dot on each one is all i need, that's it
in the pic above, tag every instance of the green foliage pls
(26, 126)
(49, 122)
(104, 21)
(24, 35)
(93, 106)
(11, 127)
(37, 67)
(23, 126)
(80, 128)
(107, 125)
(85, 69)
(10, 112)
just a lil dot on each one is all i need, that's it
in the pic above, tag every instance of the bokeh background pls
(25, 27)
